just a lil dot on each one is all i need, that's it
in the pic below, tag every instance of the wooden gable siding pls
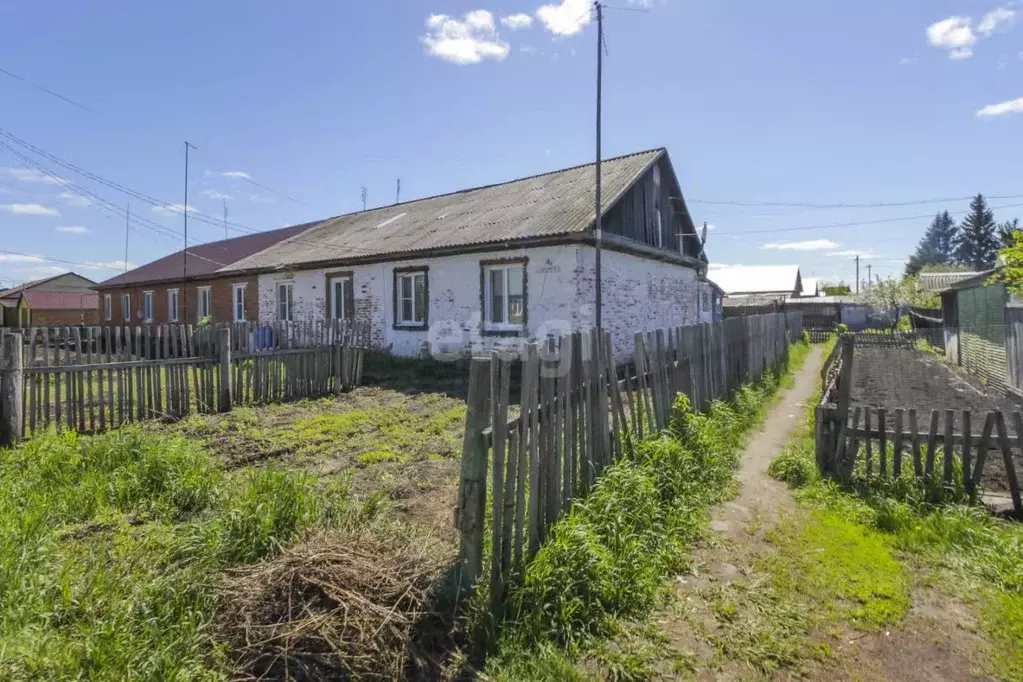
(634, 216)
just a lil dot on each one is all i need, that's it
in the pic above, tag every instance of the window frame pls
(174, 305)
(126, 305)
(397, 276)
(108, 307)
(488, 328)
(147, 301)
(332, 278)
(235, 288)
(204, 292)
(290, 302)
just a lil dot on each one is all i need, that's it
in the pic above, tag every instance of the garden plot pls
(892, 378)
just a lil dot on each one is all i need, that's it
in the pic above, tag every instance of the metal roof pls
(203, 259)
(756, 279)
(550, 204)
(62, 300)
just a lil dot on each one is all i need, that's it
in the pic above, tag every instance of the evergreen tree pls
(1007, 232)
(977, 243)
(936, 247)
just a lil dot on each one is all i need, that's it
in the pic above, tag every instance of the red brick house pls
(185, 288)
(66, 299)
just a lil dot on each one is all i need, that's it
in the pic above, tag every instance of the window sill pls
(410, 327)
(504, 330)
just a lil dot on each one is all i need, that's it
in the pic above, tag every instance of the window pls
(147, 306)
(205, 302)
(504, 296)
(284, 301)
(340, 298)
(108, 307)
(238, 298)
(410, 298)
(173, 304)
(126, 307)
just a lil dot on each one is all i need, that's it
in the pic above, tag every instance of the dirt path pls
(737, 627)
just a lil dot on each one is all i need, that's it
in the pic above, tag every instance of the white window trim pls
(235, 288)
(147, 296)
(206, 291)
(126, 304)
(108, 307)
(173, 307)
(291, 300)
(488, 298)
(413, 323)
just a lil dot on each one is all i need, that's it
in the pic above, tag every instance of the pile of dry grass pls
(332, 608)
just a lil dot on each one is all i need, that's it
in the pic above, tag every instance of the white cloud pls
(468, 41)
(852, 253)
(215, 194)
(566, 18)
(43, 270)
(20, 258)
(73, 229)
(75, 199)
(29, 209)
(107, 265)
(808, 245)
(909, 61)
(954, 34)
(237, 175)
(517, 21)
(711, 227)
(528, 49)
(32, 175)
(173, 209)
(1012, 106)
(998, 17)
(262, 198)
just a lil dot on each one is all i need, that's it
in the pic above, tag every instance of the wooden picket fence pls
(95, 396)
(67, 345)
(846, 437)
(576, 411)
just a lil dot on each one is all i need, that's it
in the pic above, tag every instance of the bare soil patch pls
(891, 378)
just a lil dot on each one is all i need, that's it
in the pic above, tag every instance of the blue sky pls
(785, 102)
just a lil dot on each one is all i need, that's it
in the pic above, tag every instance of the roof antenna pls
(397, 196)
(364, 193)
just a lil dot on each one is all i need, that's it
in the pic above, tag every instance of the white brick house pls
(490, 267)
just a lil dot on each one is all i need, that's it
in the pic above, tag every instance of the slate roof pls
(550, 204)
(756, 279)
(203, 259)
(936, 281)
(61, 300)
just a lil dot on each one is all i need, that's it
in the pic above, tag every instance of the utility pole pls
(397, 195)
(857, 273)
(127, 222)
(225, 218)
(184, 253)
(598, 231)
(364, 198)
(868, 277)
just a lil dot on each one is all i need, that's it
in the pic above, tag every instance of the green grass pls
(605, 564)
(976, 557)
(110, 547)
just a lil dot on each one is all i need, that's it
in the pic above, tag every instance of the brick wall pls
(57, 318)
(221, 292)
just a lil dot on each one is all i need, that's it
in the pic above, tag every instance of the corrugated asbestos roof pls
(936, 281)
(204, 259)
(556, 203)
(755, 279)
(15, 291)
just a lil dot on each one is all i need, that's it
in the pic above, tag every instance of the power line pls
(880, 204)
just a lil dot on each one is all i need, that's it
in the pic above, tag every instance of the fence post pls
(225, 368)
(472, 491)
(11, 403)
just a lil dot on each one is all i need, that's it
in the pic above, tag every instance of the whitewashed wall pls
(638, 294)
